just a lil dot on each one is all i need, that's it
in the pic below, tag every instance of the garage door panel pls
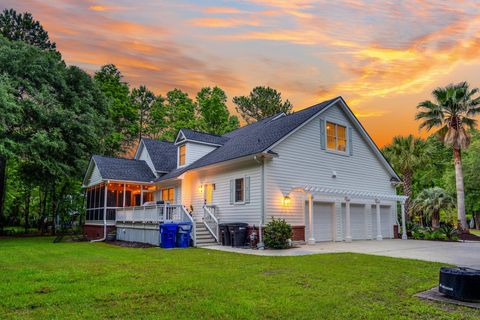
(357, 222)
(385, 221)
(322, 221)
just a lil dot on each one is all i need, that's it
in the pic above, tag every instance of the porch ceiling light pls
(286, 201)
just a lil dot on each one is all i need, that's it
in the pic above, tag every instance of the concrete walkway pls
(456, 253)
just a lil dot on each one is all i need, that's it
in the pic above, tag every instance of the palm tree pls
(430, 202)
(407, 154)
(453, 113)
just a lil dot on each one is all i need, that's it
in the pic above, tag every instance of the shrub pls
(277, 234)
(449, 231)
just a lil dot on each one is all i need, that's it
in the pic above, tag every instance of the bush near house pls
(445, 232)
(277, 234)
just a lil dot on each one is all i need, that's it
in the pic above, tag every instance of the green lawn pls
(475, 232)
(42, 280)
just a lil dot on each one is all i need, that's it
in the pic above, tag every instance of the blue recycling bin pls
(168, 233)
(183, 234)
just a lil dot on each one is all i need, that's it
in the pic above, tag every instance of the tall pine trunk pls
(3, 188)
(407, 190)
(462, 219)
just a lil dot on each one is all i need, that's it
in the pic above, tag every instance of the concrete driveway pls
(456, 253)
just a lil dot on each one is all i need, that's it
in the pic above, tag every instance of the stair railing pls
(210, 221)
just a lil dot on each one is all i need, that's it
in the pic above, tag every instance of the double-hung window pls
(239, 190)
(336, 137)
(168, 195)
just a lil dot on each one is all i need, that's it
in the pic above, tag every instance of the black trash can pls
(238, 234)
(460, 283)
(224, 234)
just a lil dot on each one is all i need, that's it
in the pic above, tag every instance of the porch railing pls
(210, 221)
(156, 214)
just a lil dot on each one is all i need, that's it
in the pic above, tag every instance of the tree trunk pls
(435, 220)
(407, 190)
(476, 217)
(28, 193)
(462, 219)
(3, 188)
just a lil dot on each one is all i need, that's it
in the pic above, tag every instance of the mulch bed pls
(130, 244)
(469, 237)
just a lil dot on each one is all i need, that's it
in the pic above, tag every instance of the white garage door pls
(385, 221)
(358, 226)
(322, 221)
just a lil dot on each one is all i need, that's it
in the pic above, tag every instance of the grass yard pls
(42, 280)
(475, 232)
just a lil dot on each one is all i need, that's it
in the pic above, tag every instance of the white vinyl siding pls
(301, 161)
(95, 176)
(248, 211)
(194, 151)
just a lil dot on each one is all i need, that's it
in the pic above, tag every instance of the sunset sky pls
(383, 57)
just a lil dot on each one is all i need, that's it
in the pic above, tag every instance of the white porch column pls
(141, 195)
(311, 238)
(348, 235)
(404, 228)
(124, 194)
(105, 203)
(379, 225)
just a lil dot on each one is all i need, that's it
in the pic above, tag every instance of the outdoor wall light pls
(200, 189)
(286, 201)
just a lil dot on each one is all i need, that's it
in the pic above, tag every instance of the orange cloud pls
(223, 23)
(97, 8)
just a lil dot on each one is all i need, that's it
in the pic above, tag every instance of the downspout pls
(104, 215)
(262, 218)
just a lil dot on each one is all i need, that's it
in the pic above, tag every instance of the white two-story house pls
(316, 168)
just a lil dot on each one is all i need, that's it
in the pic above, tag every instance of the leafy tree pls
(430, 202)
(22, 27)
(157, 124)
(143, 100)
(407, 154)
(62, 119)
(213, 112)
(122, 112)
(453, 112)
(179, 113)
(262, 102)
(11, 116)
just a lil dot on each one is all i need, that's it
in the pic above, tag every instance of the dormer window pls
(182, 156)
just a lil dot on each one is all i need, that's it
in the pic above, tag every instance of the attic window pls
(182, 155)
(336, 137)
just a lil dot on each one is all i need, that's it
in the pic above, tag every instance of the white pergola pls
(348, 195)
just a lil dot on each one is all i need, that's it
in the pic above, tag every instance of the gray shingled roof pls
(204, 137)
(162, 153)
(252, 139)
(123, 169)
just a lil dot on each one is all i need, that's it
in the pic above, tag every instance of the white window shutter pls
(247, 189)
(322, 134)
(232, 191)
(350, 140)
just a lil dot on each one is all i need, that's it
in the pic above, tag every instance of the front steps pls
(204, 237)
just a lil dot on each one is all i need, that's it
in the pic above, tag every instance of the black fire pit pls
(460, 283)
